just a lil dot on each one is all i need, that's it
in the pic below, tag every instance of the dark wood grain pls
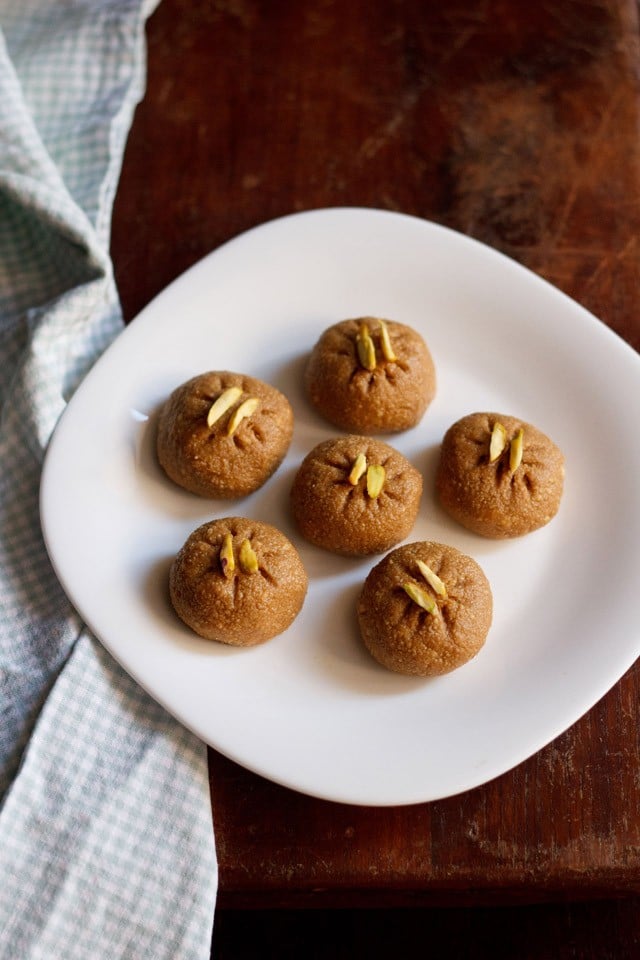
(516, 123)
(595, 931)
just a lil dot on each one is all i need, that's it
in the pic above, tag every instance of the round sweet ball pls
(223, 434)
(370, 375)
(499, 476)
(355, 495)
(237, 581)
(425, 609)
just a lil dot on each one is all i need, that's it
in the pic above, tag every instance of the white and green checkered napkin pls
(106, 843)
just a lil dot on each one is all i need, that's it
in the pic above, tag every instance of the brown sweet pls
(237, 581)
(342, 501)
(404, 636)
(488, 491)
(216, 460)
(352, 383)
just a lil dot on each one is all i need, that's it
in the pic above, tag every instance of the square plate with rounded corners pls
(310, 709)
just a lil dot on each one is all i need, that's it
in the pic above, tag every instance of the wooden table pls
(516, 123)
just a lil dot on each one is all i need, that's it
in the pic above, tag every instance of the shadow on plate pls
(155, 594)
(342, 655)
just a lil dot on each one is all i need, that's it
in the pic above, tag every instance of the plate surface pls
(310, 709)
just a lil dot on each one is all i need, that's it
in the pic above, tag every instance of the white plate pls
(310, 709)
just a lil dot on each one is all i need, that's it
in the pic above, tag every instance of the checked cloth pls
(106, 840)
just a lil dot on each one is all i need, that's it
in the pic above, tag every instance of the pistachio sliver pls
(227, 561)
(385, 343)
(358, 468)
(498, 442)
(420, 596)
(245, 409)
(375, 480)
(247, 558)
(432, 579)
(365, 347)
(515, 451)
(226, 400)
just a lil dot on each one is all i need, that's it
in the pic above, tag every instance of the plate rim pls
(148, 310)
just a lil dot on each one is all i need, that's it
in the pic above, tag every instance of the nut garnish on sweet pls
(432, 579)
(247, 607)
(375, 480)
(342, 498)
(498, 442)
(515, 450)
(358, 468)
(370, 375)
(192, 443)
(247, 558)
(227, 561)
(365, 347)
(385, 343)
(517, 493)
(420, 596)
(226, 400)
(245, 409)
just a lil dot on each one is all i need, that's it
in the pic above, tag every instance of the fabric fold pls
(107, 858)
(106, 841)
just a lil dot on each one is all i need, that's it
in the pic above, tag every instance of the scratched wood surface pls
(517, 124)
